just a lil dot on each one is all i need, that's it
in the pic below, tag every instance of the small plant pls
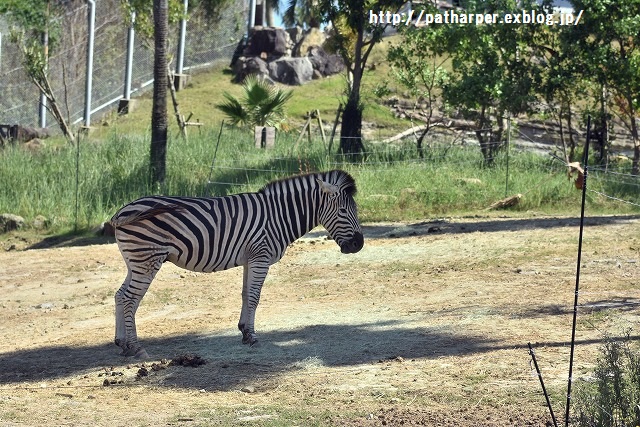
(612, 397)
(261, 105)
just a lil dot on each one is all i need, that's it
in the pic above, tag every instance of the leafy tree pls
(561, 86)
(493, 72)
(261, 105)
(418, 64)
(607, 47)
(143, 9)
(36, 31)
(354, 37)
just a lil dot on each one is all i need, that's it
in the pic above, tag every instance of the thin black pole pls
(506, 186)
(575, 301)
(544, 390)
(215, 154)
(78, 137)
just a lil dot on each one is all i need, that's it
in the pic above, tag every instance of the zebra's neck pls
(293, 209)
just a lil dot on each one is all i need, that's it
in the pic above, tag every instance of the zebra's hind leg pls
(253, 278)
(120, 300)
(128, 300)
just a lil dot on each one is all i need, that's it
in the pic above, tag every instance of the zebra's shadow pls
(231, 365)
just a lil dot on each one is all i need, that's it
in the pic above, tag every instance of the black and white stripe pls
(213, 234)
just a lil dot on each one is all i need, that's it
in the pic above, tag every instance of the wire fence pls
(240, 173)
(206, 44)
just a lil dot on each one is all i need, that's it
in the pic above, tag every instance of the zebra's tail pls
(120, 220)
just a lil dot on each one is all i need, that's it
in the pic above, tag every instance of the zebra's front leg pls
(252, 281)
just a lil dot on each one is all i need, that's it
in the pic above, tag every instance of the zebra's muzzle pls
(354, 245)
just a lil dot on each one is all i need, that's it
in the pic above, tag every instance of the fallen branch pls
(506, 203)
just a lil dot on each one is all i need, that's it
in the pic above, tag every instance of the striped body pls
(213, 234)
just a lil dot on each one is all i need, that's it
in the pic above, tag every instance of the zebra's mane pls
(337, 177)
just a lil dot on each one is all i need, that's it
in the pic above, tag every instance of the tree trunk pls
(484, 128)
(351, 129)
(159, 125)
(635, 165)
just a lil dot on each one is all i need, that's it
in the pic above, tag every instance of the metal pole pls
(181, 42)
(129, 67)
(43, 99)
(575, 301)
(89, 76)
(506, 187)
(252, 15)
(544, 389)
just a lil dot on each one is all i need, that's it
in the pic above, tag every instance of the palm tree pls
(262, 104)
(159, 122)
(301, 12)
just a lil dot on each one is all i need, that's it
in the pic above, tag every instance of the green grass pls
(394, 184)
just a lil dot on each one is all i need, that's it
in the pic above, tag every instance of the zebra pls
(252, 230)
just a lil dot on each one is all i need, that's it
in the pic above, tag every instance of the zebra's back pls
(199, 234)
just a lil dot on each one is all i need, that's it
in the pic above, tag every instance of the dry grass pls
(428, 324)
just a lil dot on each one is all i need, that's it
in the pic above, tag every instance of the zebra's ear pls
(328, 188)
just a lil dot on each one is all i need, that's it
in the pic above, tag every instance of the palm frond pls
(235, 111)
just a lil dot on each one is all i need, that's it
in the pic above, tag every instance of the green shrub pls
(612, 397)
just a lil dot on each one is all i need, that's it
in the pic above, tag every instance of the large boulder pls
(250, 65)
(326, 64)
(291, 71)
(268, 42)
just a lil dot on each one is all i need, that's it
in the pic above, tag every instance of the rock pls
(314, 37)
(252, 65)
(105, 229)
(34, 145)
(9, 222)
(334, 65)
(40, 223)
(248, 389)
(295, 34)
(272, 41)
(18, 133)
(326, 64)
(291, 71)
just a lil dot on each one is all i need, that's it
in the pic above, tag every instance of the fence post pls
(181, 42)
(252, 16)
(89, 76)
(125, 105)
(42, 112)
(180, 79)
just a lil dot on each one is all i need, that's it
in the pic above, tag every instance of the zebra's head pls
(338, 212)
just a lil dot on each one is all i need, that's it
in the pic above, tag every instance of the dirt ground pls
(427, 325)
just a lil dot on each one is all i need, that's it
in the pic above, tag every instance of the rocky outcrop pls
(268, 54)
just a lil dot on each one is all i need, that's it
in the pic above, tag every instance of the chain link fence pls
(206, 43)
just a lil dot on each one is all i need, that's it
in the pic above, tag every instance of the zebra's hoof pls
(139, 353)
(249, 338)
